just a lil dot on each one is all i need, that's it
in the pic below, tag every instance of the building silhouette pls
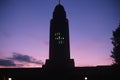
(59, 48)
(60, 66)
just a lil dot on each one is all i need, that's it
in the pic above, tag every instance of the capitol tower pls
(59, 44)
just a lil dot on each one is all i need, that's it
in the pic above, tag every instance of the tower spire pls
(59, 1)
(119, 22)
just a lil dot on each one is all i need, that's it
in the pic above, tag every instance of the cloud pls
(4, 62)
(25, 58)
(19, 60)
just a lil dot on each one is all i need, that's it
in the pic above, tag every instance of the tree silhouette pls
(116, 46)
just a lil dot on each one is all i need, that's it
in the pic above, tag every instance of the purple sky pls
(24, 31)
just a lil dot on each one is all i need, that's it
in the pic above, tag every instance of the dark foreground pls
(77, 73)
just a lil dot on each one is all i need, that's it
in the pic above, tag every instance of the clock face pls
(59, 38)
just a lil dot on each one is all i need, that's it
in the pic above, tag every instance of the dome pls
(59, 7)
(59, 12)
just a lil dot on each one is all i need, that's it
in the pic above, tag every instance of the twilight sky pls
(24, 31)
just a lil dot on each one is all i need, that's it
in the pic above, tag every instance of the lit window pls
(59, 38)
(9, 78)
(58, 33)
(55, 34)
(61, 42)
(86, 78)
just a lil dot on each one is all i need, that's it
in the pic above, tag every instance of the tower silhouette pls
(59, 46)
